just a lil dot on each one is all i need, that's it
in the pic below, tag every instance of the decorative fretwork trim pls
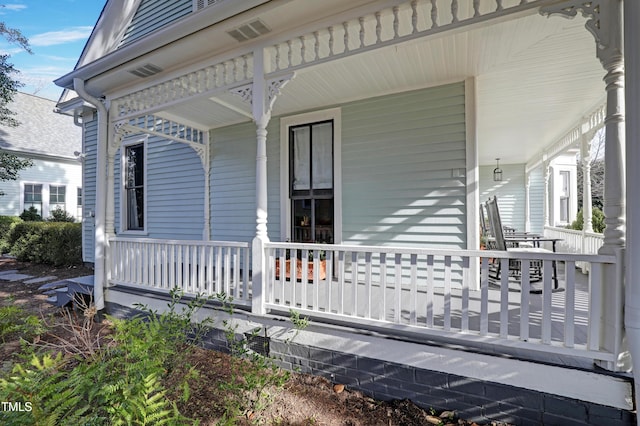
(202, 82)
(168, 129)
(599, 23)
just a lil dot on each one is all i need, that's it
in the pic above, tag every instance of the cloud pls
(13, 7)
(68, 35)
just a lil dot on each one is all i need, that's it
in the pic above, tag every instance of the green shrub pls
(597, 221)
(6, 225)
(52, 243)
(31, 215)
(60, 215)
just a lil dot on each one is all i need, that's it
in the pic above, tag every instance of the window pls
(57, 198)
(564, 196)
(133, 178)
(33, 197)
(311, 182)
(79, 203)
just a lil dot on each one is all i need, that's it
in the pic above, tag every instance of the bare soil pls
(304, 399)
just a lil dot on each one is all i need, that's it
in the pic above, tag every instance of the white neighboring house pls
(52, 141)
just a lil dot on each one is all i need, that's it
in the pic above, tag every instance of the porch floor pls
(374, 304)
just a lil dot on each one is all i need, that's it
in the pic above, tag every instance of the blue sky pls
(57, 31)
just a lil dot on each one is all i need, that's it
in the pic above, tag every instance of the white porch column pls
(604, 22)
(527, 203)
(547, 176)
(261, 115)
(587, 211)
(632, 273)
(612, 60)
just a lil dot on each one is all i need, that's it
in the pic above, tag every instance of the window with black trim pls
(134, 187)
(311, 178)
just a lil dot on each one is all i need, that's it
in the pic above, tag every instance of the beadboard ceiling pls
(535, 78)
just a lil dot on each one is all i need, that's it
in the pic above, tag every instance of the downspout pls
(101, 243)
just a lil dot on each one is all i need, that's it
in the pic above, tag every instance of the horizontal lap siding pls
(536, 197)
(510, 192)
(233, 182)
(175, 191)
(90, 148)
(398, 153)
(154, 14)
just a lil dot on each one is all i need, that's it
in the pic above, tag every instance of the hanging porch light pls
(497, 172)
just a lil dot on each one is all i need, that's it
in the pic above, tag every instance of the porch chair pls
(513, 242)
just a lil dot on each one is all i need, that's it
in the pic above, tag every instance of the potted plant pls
(322, 265)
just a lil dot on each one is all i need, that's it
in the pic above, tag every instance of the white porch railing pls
(422, 292)
(196, 267)
(574, 241)
(428, 292)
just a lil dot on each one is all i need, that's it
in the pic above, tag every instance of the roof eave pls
(196, 22)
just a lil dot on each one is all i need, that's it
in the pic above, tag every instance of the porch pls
(412, 293)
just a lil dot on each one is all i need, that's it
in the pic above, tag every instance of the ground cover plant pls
(150, 370)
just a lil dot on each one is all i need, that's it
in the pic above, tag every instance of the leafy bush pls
(31, 215)
(53, 243)
(121, 384)
(597, 221)
(60, 215)
(14, 321)
(6, 225)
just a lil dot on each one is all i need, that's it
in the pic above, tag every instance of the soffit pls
(535, 78)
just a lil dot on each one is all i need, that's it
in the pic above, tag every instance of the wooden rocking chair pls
(513, 242)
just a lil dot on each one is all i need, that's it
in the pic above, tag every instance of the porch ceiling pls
(535, 78)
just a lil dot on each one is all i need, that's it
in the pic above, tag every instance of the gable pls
(153, 15)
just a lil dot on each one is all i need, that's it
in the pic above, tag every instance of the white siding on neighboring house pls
(46, 173)
(401, 160)
(510, 192)
(174, 189)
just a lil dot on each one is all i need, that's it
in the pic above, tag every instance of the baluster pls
(524, 2)
(277, 46)
(454, 11)
(378, 28)
(316, 46)
(396, 21)
(303, 50)
(331, 41)
(234, 70)
(361, 20)
(223, 76)
(499, 6)
(414, 16)
(345, 25)
(434, 14)
(245, 67)
(289, 53)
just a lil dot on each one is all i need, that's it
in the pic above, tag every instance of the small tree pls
(10, 164)
(597, 221)
(60, 215)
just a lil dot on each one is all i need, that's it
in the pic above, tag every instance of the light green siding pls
(510, 192)
(153, 15)
(233, 182)
(174, 189)
(536, 199)
(89, 147)
(399, 156)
